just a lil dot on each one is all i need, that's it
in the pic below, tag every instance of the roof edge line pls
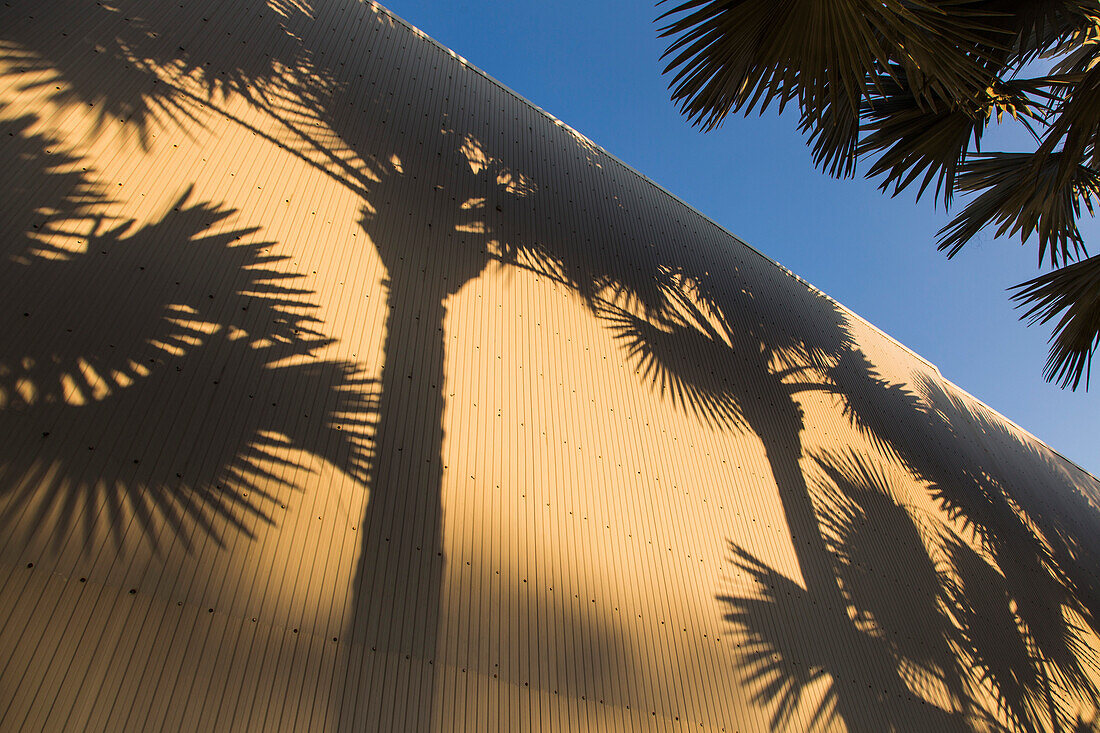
(505, 88)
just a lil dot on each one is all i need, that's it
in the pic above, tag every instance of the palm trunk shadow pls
(780, 432)
(395, 612)
(753, 390)
(395, 616)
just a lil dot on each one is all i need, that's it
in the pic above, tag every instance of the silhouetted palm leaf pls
(732, 56)
(1074, 292)
(915, 84)
(913, 140)
(1038, 25)
(1023, 193)
(1076, 123)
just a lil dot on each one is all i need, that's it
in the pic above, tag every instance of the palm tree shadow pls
(1031, 512)
(187, 451)
(49, 199)
(150, 67)
(156, 386)
(1001, 636)
(134, 365)
(890, 645)
(715, 353)
(711, 345)
(432, 242)
(1033, 690)
(1031, 516)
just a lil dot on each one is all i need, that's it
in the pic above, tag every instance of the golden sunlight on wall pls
(343, 389)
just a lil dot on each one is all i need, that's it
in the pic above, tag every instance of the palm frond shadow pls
(848, 664)
(713, 344)
(114, 378)
(682, 361)
(829, 663)
(716, 354)
(150, 67)
(999, 639)
(1026, 507)
(1038, 537)
(46, 195)
(884, 569)
(182, 280)
(925, 617)
(1026, 512)
(191, 456)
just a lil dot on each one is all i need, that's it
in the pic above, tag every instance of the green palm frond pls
(1074, 292)
(1023, 193)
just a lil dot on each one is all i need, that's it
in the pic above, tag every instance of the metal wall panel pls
(343, 389)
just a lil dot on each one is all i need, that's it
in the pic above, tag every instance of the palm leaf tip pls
(1071, 293)
(1024, 193)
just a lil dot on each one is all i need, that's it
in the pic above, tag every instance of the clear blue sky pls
(595, 65)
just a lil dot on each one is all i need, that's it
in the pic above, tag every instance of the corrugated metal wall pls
(343, 389)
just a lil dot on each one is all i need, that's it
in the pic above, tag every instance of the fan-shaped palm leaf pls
(913, 140)
(916, 84)
(732, 56)
(1074, 292)
(1076, 122)
(1039, 25)
(1023, 193)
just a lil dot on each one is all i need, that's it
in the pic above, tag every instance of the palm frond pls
(916, 142)
(1039, 26)
(1074, 292)
(1023, 193)
(1076, 124)
(833, 131)
(733, 56)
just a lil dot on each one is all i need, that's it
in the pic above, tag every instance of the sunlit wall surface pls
(343, 389)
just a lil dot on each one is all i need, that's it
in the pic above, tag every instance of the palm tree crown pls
(912, 85)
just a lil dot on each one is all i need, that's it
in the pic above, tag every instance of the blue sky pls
(595, 66)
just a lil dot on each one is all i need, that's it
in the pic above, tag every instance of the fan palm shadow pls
(709, 344)
(786, 659)
(151, 66)
(707, 339)
(716, 353)
(1046, 529)
(739, 372)
(50, 198)
(926, 617)
(434, 232)
(133, 363)
(1007, 626)
(1036, 518)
